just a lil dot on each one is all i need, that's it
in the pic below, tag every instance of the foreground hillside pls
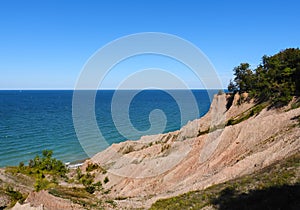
(239, 151)
(274, 187)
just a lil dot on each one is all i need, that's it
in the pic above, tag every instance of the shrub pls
(106, 180)
(39, 167)
(21, 165)
(41, 184)
(15, 195)
(92, 167)
(98, 185)
(86, 179)
(90, 189)
(47, 164)
(295, 105)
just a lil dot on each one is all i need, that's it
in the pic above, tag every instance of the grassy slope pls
(274, 187)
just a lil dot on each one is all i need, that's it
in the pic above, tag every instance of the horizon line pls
(112, 89)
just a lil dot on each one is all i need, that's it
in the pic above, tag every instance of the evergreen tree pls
(277, 78)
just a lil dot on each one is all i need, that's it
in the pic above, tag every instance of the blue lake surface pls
(35, 120)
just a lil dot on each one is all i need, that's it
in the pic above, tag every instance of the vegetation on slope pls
(13, 195)
(47, 173)
(40, 173)
(253, 111)
(46, 170)
(274, 187)
(275, 79)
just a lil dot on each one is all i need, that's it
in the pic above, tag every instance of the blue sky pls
(45, 44)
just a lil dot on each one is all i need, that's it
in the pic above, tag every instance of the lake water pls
(32, 121)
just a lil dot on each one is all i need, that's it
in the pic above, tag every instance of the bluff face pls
(226, 143)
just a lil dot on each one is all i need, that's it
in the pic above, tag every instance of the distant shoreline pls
(75, 164)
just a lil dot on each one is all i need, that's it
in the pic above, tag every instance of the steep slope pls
(274, 187)
(160, 166)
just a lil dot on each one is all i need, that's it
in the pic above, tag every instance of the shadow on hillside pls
(283, 197)
(229, 101)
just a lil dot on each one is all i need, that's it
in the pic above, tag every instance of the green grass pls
(77, 195)
(238, 119)
(275, 186)
(82, 197)
(247, 114)
(295, 105)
